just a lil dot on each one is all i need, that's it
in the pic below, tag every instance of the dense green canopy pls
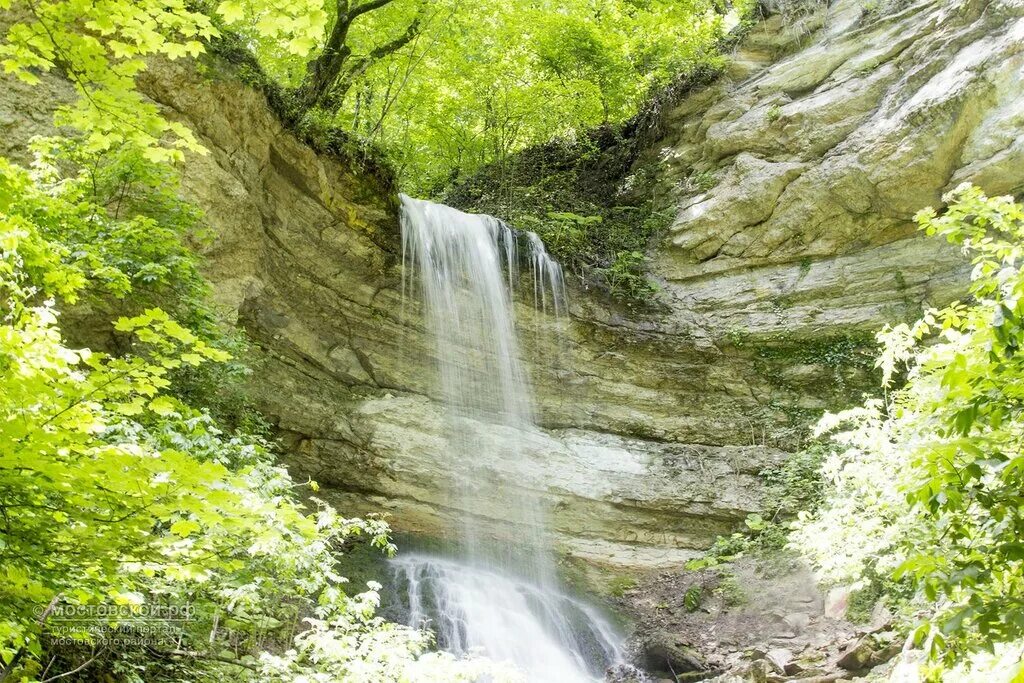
(442, 86)
(484, 79)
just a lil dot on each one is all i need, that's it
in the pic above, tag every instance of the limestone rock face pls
(826, 135)
(611, 499)
(820, 158)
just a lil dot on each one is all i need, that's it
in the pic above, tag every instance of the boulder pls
(665, 654)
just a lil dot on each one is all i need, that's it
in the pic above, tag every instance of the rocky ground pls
(758, 619)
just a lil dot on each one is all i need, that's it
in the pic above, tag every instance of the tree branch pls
(361, 65)
(398, 43)
(89, 661)
(367, 7)
(325, 83)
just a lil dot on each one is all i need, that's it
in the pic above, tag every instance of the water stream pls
(500, 596)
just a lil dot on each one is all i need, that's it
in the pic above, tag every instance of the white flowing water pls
(499, 597)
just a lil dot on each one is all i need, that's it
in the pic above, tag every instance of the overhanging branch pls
(367, 7)
(331, 75)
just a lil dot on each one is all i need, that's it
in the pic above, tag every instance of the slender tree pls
(331, 74)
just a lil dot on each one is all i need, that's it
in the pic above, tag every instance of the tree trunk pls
(330, 76)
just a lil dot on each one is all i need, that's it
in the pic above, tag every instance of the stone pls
(662, 653)
(798, 621)
(855, 658)
(836, 601)
(881, 616)
(780, 659)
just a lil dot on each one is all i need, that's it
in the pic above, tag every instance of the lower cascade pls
(499, 596)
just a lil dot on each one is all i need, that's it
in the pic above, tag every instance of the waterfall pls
(500, 595)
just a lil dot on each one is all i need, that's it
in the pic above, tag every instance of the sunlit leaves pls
(486, 79)
(298, 26)
(102, 62)
(934, 480)
(232, 11)
(102, 45)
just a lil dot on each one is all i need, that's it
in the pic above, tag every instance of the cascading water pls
(498, 597)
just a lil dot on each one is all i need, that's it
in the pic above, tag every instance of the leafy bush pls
(117, 218)
(114, 219)
(927, 487)
(626, 276)
(115, 493)
(692, 598)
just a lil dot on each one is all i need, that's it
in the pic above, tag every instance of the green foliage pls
(760, 537)
(737, 336)
(90, 514)
(626, 276)
(484, 80)
(102, 46)
(620, 585)
(729, 590)
(861, 602)
(113, 492)
(796, 485)
(115, 217)
(293, 28)
(693, 598)
(724, 549)
(928, 486)
(564, 233)
(119, 229)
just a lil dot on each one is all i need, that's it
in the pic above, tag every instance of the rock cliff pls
(827, 133)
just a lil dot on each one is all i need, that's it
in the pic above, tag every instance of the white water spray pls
(500, 597)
